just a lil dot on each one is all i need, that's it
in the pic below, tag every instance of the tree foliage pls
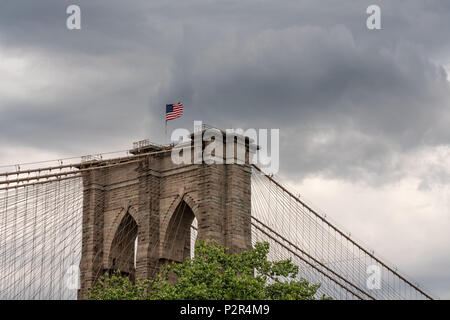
(214, 274)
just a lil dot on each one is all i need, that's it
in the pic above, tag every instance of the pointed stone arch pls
(176, 229)
(186, 197)
(121, 253)
(126, 209)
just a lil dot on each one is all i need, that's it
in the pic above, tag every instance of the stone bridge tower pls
(155, 200)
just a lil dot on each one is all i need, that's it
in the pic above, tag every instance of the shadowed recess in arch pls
(180, 234)
(122, 256)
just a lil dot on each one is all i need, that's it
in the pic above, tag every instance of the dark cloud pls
(312, 71)
(311, 82)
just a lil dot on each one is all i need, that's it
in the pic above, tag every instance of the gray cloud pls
(370, 102)
(296, 66)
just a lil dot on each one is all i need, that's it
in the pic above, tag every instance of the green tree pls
(214, 274)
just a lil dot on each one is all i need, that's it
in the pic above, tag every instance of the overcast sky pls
(364, 115)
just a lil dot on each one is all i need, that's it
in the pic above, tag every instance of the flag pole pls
(165, 133)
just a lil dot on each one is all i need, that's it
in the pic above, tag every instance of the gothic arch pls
(121, 253)
(126, 209)
(176, 229)
(186, 197)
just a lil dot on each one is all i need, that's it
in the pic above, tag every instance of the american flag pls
(174, 111)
